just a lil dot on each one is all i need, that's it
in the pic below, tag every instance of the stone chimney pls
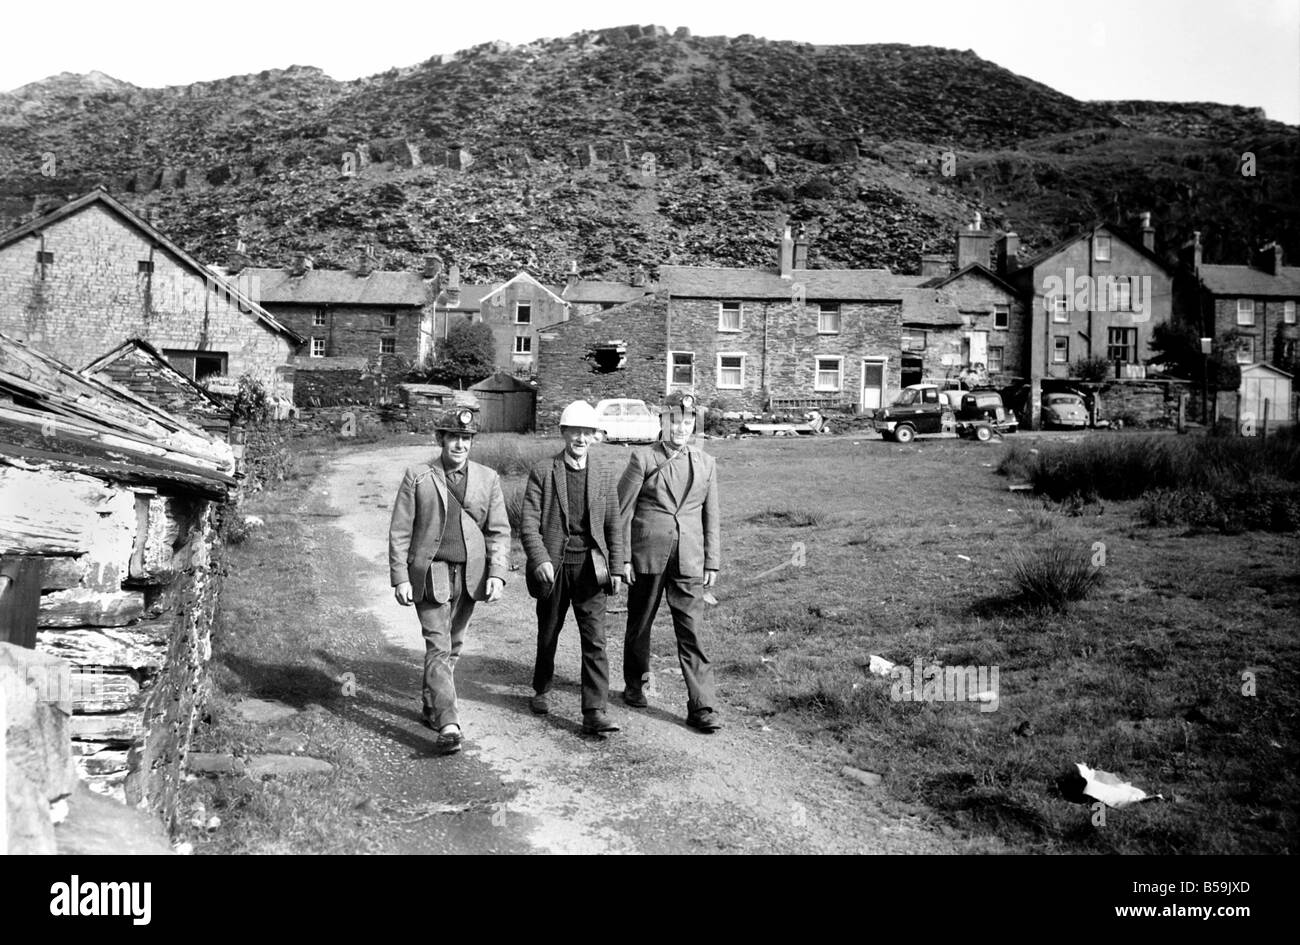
(973, 244)
(571, 277)
(935, 264)
(1269, 259)
(1008, 252)
(638, 277)
(801, 252)
(432, 268)
(301, 264)
(453, 285)
(786, 259)
(1148, 233)
(366, 260)
(237, 259)
(1190, 254)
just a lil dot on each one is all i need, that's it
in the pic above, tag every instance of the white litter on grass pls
(964, 557)
(254, 521)
(1110, 790)
(880, 666)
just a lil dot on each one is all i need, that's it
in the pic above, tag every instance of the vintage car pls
(625, 420)
(917, 409)
(1064, 409)
(980, 413)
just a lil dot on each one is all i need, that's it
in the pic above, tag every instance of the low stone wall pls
(1143, 403)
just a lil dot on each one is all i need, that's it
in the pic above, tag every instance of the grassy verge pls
(911, 555)
(264, 648)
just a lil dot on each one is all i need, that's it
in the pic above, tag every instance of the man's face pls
(455, 448)
(678, 426)
(577, 440)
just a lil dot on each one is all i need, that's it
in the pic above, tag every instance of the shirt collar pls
(573, 463)
(448, 471)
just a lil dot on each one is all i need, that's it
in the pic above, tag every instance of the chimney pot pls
(432, 267)
(786, 259)
(1148, 233)
(571, 277)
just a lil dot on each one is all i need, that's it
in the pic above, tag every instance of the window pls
(318, 320)
(729, 314)
(731, 371)
(1121, 345)
(318, 347)
(914, 339)
(1061, 350)
(1288, 312)
(1121, 295)
(995, 359)
(1245, 350)
(199, 365)
(144, 265)
(1101, 248)
(829, 374)
(828, 318)
(44, 257)
(682, 367)
(1060, 308)
(523, 344)
(1245, 312)
(523, 313)
(1001, 316)
(388, 346)
(390, 319)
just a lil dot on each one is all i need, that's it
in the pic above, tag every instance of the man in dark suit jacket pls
(670, 491)
(448, 547)
(572, 531)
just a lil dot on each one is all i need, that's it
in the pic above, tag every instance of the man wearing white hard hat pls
(572, 533)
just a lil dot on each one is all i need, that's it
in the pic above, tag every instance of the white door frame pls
(883, 361)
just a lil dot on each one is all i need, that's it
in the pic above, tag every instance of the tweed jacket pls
(420, 515)
(546, 515)
(657, 518)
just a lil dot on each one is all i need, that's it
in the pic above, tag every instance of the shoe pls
(539, 704)
(597, 723)
(635, 698)
(706, 720)
(449, 739)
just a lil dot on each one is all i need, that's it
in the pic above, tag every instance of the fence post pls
(4, 772)
(1182, 413)
(1236, 415)
(1263, 427)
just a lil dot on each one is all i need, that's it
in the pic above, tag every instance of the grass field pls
(910, 554)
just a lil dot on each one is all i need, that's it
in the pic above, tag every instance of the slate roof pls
(1249, 281)
(340, 287)
(829, 284)
(596, 291)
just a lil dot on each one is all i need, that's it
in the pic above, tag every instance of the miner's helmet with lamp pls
(679, 401)
(457, 420)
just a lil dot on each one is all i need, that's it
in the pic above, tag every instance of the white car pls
(627, 421)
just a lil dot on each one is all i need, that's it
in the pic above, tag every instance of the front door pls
(873, 384)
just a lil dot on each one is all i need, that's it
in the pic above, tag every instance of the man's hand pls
(710, 577)
(545, 573)
(404, 595)
(629, 576)
(495, 586)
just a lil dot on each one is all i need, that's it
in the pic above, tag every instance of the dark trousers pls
(575, 585)
(686, 603)
(443, 626)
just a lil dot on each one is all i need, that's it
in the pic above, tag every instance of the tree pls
(468, 355)
(1178, 347)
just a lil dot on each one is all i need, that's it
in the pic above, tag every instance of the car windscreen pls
(637, 410)
(1072, 399)
(905, 397)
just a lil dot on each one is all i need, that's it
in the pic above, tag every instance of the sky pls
(1239, 52)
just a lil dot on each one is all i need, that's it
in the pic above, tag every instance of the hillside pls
(746, 133)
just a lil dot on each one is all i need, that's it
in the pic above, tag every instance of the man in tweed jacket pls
(573, 535)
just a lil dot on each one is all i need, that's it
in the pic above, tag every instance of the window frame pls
(311, 347)
(1060, 309)
(672, 368)
(1001, 358)
(1245, 346)
(740, 384)
(1001, 316)
(1247, 304)
(389, 343)
(1100, 240)
(526, 347)
(740, 315)
(319, 318)
(528, 306)
(1128, 345)
(820, 388)
(1057, 348)
(1288, 312)
(830, 308)
(390, 320)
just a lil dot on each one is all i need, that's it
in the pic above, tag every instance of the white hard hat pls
(580, 414)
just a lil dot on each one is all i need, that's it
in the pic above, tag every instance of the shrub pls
(1095, 368)
(1056, 577)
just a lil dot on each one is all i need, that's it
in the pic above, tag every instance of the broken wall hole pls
(608, 358)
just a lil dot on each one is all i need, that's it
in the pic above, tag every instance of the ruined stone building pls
(92, 274)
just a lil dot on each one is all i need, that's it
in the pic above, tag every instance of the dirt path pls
(529, 783)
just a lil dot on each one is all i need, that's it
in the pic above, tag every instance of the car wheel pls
(904, 434)
(983, 434)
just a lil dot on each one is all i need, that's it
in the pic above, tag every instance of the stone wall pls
(976, 296)
(780, 345)
(1148, 403)
(1268, 329)
(579, 359)
(131, 588)
(354, 330)
(92, 296)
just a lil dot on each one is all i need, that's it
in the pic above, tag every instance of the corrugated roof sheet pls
(1246, 280)
(340, 287)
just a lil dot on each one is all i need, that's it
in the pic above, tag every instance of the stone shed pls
(109, 515)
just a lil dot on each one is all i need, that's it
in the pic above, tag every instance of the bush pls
(1056, 577)
(1095, 368)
